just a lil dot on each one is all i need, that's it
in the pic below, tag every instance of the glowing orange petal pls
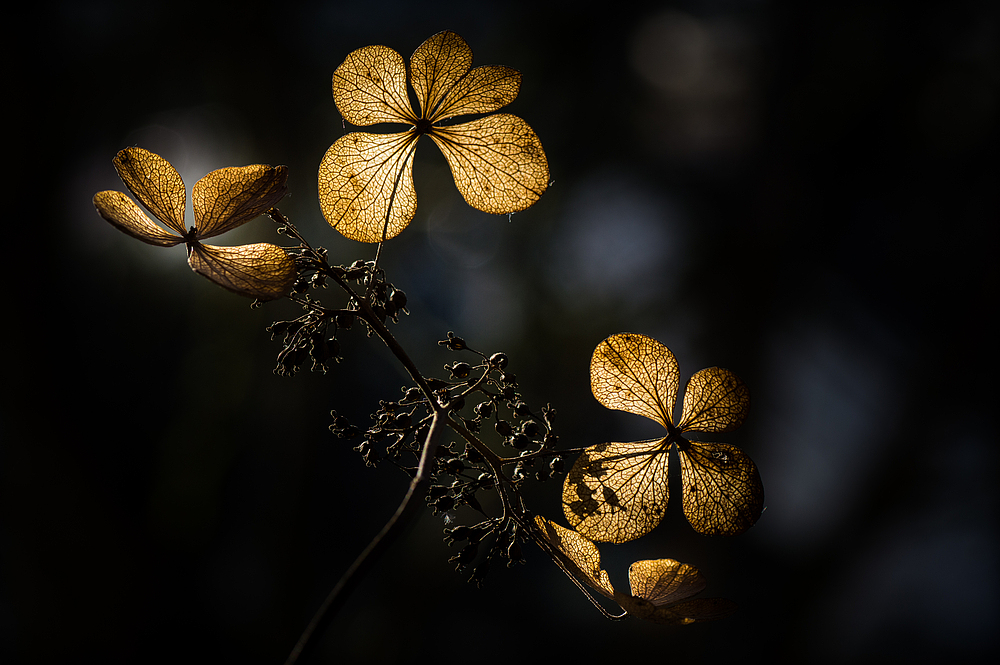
(126, 216)
(716, 400)
(369, 87)
(497, 162)
(483, 90)
(229, 197)
(261, 271)
(435, 68)
(578, 554)
(722, 493)
(366, 185)
(156, 184)
(637, 374)
(616, 492)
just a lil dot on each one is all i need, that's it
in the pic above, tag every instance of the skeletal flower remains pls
(222, 200)
(618, 491)
(662, 589)
(366, 180)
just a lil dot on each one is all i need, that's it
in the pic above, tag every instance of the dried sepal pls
(156, 183)
(722, 493)
(578, 554)
(435, 67)
(126, 216)
(261, 270)
(637, 374)
(366, 185)
(716, 400)
(369, 87)
(497, 162)
(229, 197)
(617, 492)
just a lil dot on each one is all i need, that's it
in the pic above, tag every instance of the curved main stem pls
(418, 488)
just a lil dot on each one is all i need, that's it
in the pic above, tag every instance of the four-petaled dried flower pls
(662, 589)
(618, 491)
(223, 200)
(366, 180)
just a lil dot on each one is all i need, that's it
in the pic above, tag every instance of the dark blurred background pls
(805, 193)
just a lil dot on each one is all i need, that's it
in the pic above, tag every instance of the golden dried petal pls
(370, 87)
(716, 400)
(722, 492)
(682, 613)
(579, 555)
(637, 374)
(126, 216)
(435, 67)
(616, 492)
(483, 90)
(229, 197)
(261, 271)
(366, 185)
(497, 162)
(664, 581)
(156, 184)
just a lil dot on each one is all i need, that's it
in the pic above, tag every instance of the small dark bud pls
(454, 466)
(498, 360)
(557, 465)
(344, 321)
(530, 428)
(521, 409)
(484, 409)
(514, 553)
(518, 441)
(480, 572)
(459, 370)
(473, 455)
(503, 428)
(412, 395)
(454, 343)
(398, 299)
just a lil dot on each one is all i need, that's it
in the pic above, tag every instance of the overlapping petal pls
(579, 555)
(126, 216)
(483, 90)
(664, 581)
(435, 67)
(366, 185)
(156, 183)
(261, 270)
(497, 162)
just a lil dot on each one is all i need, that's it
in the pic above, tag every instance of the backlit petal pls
(229, 197)
(483, 90)
(637, 374)
(497, 162)
(616, 492)
(370, 87)
(156, 184)
(721, 489)
(366, 185)
(435, 67)
(261, 271)
(126, 216)
(716, 400)
(578, 554)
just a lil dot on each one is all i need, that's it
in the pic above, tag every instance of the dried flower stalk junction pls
(614, 492)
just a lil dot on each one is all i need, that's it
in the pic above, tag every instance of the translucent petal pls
(229, 197)
(664, 581)
(126, 216)
(156, 184)
(716, 400)
(366, 185)
(483, 90)
(369, 87)
(722, 492)
(261, 271)
(497, 162)
(617, 492)
(579, 555)
(435, 67)
(637, 374)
